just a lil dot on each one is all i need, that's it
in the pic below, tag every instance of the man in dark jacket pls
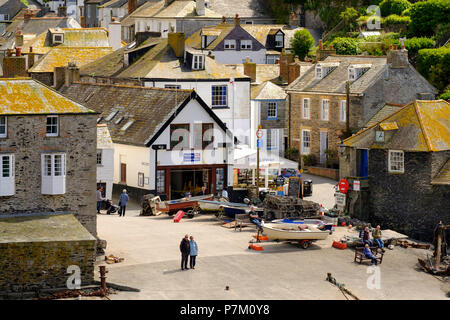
(185, 250)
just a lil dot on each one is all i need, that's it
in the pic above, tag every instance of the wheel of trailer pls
(190, 214)
(305, 244)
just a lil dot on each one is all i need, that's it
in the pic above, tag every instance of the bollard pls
(103, 273)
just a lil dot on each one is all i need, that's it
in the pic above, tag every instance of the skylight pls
(119, 120)
(127, 125)
(111, 115)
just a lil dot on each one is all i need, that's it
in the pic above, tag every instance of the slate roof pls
(443, 176)
(148, 9)
(33, 28)
(61, 56)
(11, 7)
(423, 126)
(384, 112)
(27, 96)
(149, 108)
(79, 37)
(267, 91)
(159, 62)
(245, 8)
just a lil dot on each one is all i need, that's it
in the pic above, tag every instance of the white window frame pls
(392, 161)
(226, 96)
(319, 72)
(198, 62)
(273, 104)
(246, 45)
(279, 43)
(305, 150)
(172, 86)
(58, 41)
(229, 44)
(99, 157)
(52, 182)
(5, 126)
(324, 112)
(352, 74)
(272, 59)
(343, 110)
(271, 139)
(52, 134)
(7, 183)
(308, 108)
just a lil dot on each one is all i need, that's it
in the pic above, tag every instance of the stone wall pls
(30, 266)
(27, 141)
(324, 172)
(407, 202)
(315, 124)
(280, 122)
(44, 77)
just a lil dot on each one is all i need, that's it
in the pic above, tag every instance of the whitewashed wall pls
(155, 25)
(136, 159)
(237, 57)
(105, 171)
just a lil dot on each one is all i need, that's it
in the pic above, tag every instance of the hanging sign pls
(357, 185)
(343, 186)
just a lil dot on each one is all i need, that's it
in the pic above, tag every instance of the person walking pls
(99, 199)
(123, 202)
(193, 251)
(185, 250)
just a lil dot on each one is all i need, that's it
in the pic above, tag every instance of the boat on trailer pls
(172, 206)
(207, 206)
(292, 232)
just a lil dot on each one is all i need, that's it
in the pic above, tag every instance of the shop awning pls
(246, 159)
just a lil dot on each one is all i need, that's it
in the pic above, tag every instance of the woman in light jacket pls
(194, 251)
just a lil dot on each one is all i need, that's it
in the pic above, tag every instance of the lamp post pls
(157, 147)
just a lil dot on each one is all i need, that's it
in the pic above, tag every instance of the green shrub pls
(427, 15)
(413, 45)
(309, 160)
(350, 15)
(445, 95)
(394, 19)
(346, 46)
(434, 64)
(291, 154)
(301, 43)
(389, 7)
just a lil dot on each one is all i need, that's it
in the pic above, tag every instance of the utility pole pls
(347, 111)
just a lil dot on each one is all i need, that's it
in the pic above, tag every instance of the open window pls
(53, 173)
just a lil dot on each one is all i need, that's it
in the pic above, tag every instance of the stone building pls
(48, 166)
(403, 165)
(318, 98)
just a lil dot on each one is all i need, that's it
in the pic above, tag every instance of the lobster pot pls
(279, 207)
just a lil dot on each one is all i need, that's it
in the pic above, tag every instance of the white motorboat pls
(293, 232)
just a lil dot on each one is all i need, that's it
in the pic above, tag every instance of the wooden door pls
(123, 172)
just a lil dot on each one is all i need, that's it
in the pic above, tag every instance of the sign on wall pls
(356, 185)
(191, 157)
(340, 200)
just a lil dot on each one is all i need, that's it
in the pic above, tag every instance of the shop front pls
(178, 181)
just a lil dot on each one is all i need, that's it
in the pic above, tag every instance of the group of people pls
(188, 248)
(365, 237)
(123, 200)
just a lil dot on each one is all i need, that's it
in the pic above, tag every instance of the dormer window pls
(319, 72)
(246, 44)
(230, 44)
(58, 38)
(322, 69)
(356, 71)
(279, 41)
(198, 62)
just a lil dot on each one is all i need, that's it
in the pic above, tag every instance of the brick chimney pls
(285, 60)
(31, 57)
(176, 41)
(322, 51)
(250, 69)
(397, 58)
(15, 65)
(294, 70)
(19, 38)
(132, 5)
(200, 7)
(237, 20)
(72, 74)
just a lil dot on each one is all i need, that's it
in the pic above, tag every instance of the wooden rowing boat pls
(292, 232)
(172, 206)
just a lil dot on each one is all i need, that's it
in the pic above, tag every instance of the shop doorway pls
(183, 181)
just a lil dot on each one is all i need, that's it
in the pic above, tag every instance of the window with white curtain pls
(343, 111)
(53, 173)
(306, 108)
(306, 142)
(7, 183)
(325, 109)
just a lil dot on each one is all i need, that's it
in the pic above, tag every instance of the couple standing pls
(188, 247)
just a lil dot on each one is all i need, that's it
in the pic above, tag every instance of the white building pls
(105, 160)
(192, 140)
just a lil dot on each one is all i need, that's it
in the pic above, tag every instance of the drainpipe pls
(347, 91)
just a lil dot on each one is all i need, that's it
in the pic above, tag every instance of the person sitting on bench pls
(365, 236)
(376, 234)
(368, 254)
(254, 218)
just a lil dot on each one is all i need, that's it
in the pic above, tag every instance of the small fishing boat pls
(292, 232)
(209, 206)
(232, 209)
(172, 206)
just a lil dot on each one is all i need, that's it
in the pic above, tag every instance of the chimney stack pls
(293, 20)
(132, 5)
(15, 65)
(19, 38)
(28, 14)
(285, 60)
(72, 74)
(322, 51)
(115, 35)
(237, 20)
(397, 58)
(30, 56)
(250, 69)
(176, 42)
(62, 11)
(200, 7)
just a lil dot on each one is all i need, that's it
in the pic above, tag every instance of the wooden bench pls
(242, 220)
(359, 255)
